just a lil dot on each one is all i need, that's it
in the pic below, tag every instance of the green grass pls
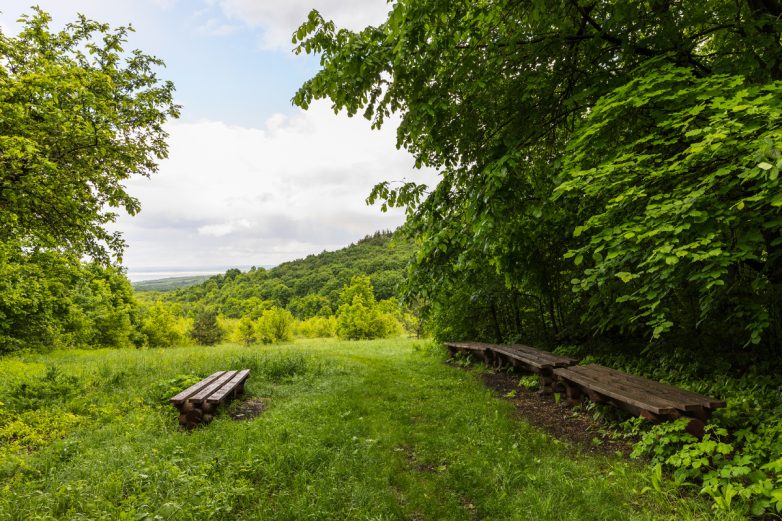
(353, 430)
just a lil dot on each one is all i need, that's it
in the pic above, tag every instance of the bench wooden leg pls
(546, 384)
(573, 393)
(696, 427)
(192, 418)
(487, 358)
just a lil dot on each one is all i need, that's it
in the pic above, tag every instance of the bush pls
(246, 332)
(53, 387)
(275, 325)
(317, 327)
(163, 325)
(163, 390)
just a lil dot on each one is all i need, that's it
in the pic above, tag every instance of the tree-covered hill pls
(305, 285)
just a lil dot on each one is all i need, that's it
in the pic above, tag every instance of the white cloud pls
(279, 19)
(214, 27)
(232, 195)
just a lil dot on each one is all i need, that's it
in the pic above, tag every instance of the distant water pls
(138, 276)
(160, 273)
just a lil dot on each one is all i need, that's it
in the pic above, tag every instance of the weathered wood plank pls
(689, 401)
(207, 391)
(621, 392)
(182, 397)
(537, 358)
(220, 394)
(560, 361)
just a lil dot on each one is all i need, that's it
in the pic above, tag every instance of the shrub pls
(317, 327)
(246, 332)
(163, 325)
(275, 325)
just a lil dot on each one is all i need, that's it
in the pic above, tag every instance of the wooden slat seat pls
(534, 358)
(648, 398)
(190, 391)
(475, 348)
(207, 391)
(198, 402)
(516, 355)
(229, 387)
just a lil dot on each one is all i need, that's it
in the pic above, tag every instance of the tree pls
(206, 331)
(78, 117)
(567, 134)
(359, 316)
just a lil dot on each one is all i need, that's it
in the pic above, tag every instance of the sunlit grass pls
(352, 430)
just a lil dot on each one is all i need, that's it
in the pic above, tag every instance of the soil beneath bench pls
(246, 409)
(571, 425)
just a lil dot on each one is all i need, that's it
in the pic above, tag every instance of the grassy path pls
(360, 430)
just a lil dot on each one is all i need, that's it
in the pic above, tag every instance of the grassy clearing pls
(353, 430)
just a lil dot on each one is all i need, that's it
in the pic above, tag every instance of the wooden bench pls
(532, 360)
(471, 348)
(652, 400)
(518, 356)
(198, 403)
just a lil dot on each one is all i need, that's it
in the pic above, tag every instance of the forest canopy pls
(607, 167)
(79, 115)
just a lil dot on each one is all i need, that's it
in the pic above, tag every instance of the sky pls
(250, 179)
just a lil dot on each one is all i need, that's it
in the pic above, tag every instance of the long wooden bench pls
(640, 396)
(477, 349)
(518, 356)
(198, 403)
(532, 360)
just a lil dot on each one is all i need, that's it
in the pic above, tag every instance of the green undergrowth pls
(351, 430)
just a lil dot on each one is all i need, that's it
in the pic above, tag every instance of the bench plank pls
(534, 356)
(619, 391)
(211, 388)
(187, 393)
(687, 400)
(221, 393)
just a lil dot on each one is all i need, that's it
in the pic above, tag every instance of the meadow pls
(380, 429)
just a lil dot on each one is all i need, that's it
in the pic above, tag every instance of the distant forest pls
(303, 286)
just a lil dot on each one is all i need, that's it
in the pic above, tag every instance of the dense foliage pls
(625, 151)
(47, 300)
(361, 317)
(78, 117)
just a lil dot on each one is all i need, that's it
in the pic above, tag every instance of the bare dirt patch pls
(247, 409)
(564, 423)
